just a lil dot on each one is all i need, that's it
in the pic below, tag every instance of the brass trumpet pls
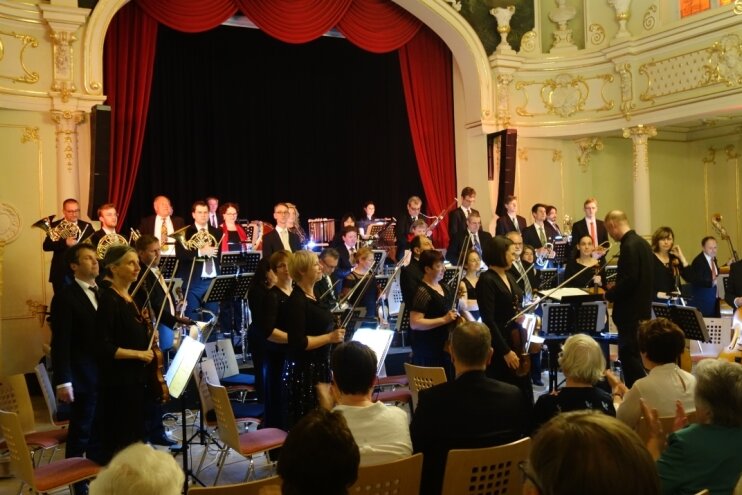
(63, 230)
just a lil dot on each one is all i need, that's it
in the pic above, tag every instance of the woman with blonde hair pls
(139, 470)
(583, 363)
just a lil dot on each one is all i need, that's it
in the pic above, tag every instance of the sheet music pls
(557, 295)
(378, 340)
(180, 369)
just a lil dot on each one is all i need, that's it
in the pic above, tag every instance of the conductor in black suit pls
(489, 412)
(60, 273)
(632, 292)
(404, 224)
(74, 342)
(589, 226)
(703, 273)
(204, 258)
(510, 220)
(473, 231)
(162, 224)
(457, 218)
(280, 238)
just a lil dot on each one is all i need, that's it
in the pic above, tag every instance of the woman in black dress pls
(276, 339)
(124, 354)
(311, 330)
(472, 264)
(669, 264)
(363, 261)
(499, 298)
(262, 282)
(593, 276)
(431, 315)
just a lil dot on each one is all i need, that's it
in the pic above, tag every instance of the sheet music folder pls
(571, 295)
(181, 368)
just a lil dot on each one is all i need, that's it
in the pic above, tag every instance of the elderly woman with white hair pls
(582, 363)
(139, 470)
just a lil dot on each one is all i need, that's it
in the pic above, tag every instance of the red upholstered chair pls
(44, 478)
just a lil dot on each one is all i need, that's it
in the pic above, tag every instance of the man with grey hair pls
(488, 412)
(631, 294)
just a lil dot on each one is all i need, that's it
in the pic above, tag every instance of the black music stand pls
(688, 318)
(374, 229)
(177, 378)
(379, 259)
(167, 266)
(233, 262)
(450, 275)
(560, 252)
(547, 278)
(610, 272)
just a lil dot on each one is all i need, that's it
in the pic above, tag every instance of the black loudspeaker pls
(501, 149)
(100, 147)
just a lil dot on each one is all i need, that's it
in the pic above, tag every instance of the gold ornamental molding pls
(26, 41)
(529, 42)
(67, 122)
(597, 34)
(565, 95)
(738, 7)
(650, 18)
(720, 63)
(10, 223)
(585, 148)
(627, 90)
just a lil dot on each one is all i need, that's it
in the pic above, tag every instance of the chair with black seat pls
(247, 443)
(51, 476)
(489, 470)
(401, 477)
(222, 352)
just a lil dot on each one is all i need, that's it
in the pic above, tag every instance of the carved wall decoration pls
(503, 99)
(725, 63)
(738, 7)
(731, 152)
(67, 123)
(710, 158)
(63, 73)
(650, 18)
(30, 134)
(528, 42)
(456, 4)
(39, 309)
(565, 95)
(585, 148)
(597, 34)
(627, 91)
(10, 223)
(29, 76)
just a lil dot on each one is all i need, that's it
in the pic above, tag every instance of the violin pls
(156, 367)
(519, 345)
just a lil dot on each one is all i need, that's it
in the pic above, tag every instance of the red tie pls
(592, 233)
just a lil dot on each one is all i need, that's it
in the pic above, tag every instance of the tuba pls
(107, 241)
(63, 230)
(199, 240)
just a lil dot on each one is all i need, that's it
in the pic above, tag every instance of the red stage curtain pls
(190, 16)
(294, 21)
(427, 79)
(129, 56)
(378, 26)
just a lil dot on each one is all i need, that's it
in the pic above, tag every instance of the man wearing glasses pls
(60, 273)
(404, 223)
(280, 238)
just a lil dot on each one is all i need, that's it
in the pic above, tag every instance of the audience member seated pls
(582, 363)
(591, 453)
(472, 411)
(381, 432)
(139, 470)
(706, 454)
(319, 456)
(661, 342)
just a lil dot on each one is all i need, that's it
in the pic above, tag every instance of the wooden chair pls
(488, 471)
(49, 396)
(400, 477)
(422, 377)
(14, 397)
(668, 424)
(248, 488)
(44, 478)
(247, 443)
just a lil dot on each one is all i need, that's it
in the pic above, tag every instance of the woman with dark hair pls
(311, 330)
(262, 282)
(234, 237)
(499, 298)
(367, 218)
(363, 261)
(124, 353)
(472, 264)
(431, 315)
(347, 220)
(592, 276)
(669, 264)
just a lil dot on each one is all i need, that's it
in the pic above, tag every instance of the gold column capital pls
(640, 133)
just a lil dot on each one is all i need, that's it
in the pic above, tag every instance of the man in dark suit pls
(404, 224)
(74, 346)
(511, 220)
(345, 254)
(60, 273)
(457, 218)
(162, 224)
(108, 221)
(632, 292)
(529, 281)
(280, 238)
(324, 290)
(411, 276)
(733, 291)
(591, 226)
(205, 257)
(552, 227)
(704, 270)
(489, 412)
(473, 231)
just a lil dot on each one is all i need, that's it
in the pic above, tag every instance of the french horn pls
(107, 241)
(199, 240)
(63, 230)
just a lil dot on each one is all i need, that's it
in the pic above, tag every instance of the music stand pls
(167, 266)
(177, 377)
(374, 229)
(387, 235)
(560, 252)
(688, 318)
(610, 272)
(379, 340)
(546, 279)
(379, 258)
(450, 274)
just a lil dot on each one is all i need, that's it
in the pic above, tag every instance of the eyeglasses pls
(525, 471)
(72, 211)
